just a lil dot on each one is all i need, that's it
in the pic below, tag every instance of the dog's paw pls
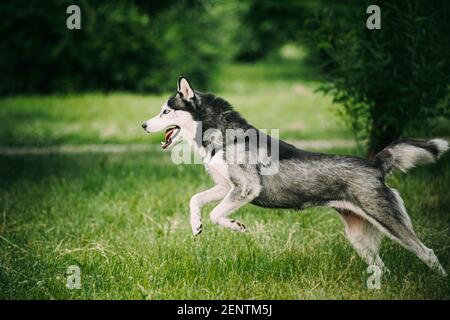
(196, 224)
(196, 229)
(441, 271)
(385, 270)
(238, 226)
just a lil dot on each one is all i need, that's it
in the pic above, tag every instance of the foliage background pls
(389, 83)
(392, 82)
(82, 184)
(122, 45)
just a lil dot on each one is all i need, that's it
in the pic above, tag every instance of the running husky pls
(353, 186)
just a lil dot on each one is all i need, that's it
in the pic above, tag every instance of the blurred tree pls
(394, 81)
(268, 24)
(131, 45)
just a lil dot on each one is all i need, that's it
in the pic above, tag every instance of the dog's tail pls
(407, 154)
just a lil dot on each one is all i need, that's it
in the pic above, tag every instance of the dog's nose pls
(144, 125)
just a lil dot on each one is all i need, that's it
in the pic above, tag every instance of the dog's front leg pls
(236, 198)
(216, 193)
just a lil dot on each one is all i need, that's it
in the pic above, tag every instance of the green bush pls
(394, 81)
(268, 24)
(122, 45)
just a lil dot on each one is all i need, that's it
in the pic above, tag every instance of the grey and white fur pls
(353, 186)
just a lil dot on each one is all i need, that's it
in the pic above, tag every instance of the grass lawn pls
(123, 218)
(268, 95)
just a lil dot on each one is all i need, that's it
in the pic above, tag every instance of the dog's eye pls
(166, 111)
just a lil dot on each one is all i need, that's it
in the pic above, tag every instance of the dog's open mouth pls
(170, 134)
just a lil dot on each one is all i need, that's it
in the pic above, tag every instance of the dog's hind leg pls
(386, 211)
(363, 236)
(216, 193)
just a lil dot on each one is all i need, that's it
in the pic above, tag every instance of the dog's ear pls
(185, 89)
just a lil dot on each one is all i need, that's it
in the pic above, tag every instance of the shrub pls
(266, 25)
(122, 45)
(393, 81)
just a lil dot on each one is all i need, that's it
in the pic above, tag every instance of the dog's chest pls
(217, 169)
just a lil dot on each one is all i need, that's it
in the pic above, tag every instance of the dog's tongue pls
(169, 133)
(168, 137)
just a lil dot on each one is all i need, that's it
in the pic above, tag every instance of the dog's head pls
(175, 116)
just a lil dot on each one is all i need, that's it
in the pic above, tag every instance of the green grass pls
(123, 218)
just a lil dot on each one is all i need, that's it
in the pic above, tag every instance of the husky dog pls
(354, 187)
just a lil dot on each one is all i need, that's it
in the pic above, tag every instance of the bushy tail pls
(407, 154)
